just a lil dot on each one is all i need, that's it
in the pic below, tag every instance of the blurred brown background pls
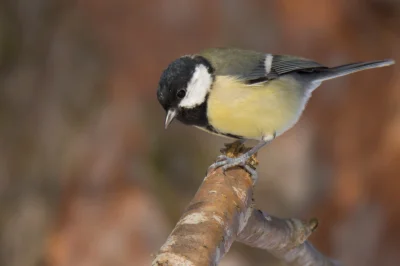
(88, 175)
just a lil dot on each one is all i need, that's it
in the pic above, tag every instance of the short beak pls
(170, 116)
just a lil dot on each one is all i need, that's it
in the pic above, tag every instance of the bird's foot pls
(235, 154)
(227, 162)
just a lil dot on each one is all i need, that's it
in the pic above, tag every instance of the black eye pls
(180, 94)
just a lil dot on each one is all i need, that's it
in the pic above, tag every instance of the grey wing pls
(255, 67)
(273, 66)
(283, 64)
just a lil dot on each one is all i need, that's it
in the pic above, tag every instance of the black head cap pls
(175, 78)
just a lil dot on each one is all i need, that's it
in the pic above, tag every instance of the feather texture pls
(283, 64)
(267, 108)
(254, 67)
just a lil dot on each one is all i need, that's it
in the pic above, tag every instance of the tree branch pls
(283, 238)
(222, 212)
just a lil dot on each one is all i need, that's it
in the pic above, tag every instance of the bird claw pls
(222, 158)
(232, 162)
(227, 162)
(253, 173)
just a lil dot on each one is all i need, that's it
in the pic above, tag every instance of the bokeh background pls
(89, 176)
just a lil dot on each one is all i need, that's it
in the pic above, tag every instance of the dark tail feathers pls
(343, 70)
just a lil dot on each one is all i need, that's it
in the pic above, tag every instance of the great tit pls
(244, 94)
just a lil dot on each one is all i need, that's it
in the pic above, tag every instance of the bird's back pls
(233, 61)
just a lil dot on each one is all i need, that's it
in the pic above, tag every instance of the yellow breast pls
(254, 111)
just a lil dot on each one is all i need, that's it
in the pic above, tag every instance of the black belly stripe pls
(198, 117)
(257, 80)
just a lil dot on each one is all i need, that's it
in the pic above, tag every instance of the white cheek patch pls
(197, 88)
(268, 63)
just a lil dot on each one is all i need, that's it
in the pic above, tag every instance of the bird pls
(244, 94)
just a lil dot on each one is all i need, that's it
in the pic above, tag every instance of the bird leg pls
(226, 162)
